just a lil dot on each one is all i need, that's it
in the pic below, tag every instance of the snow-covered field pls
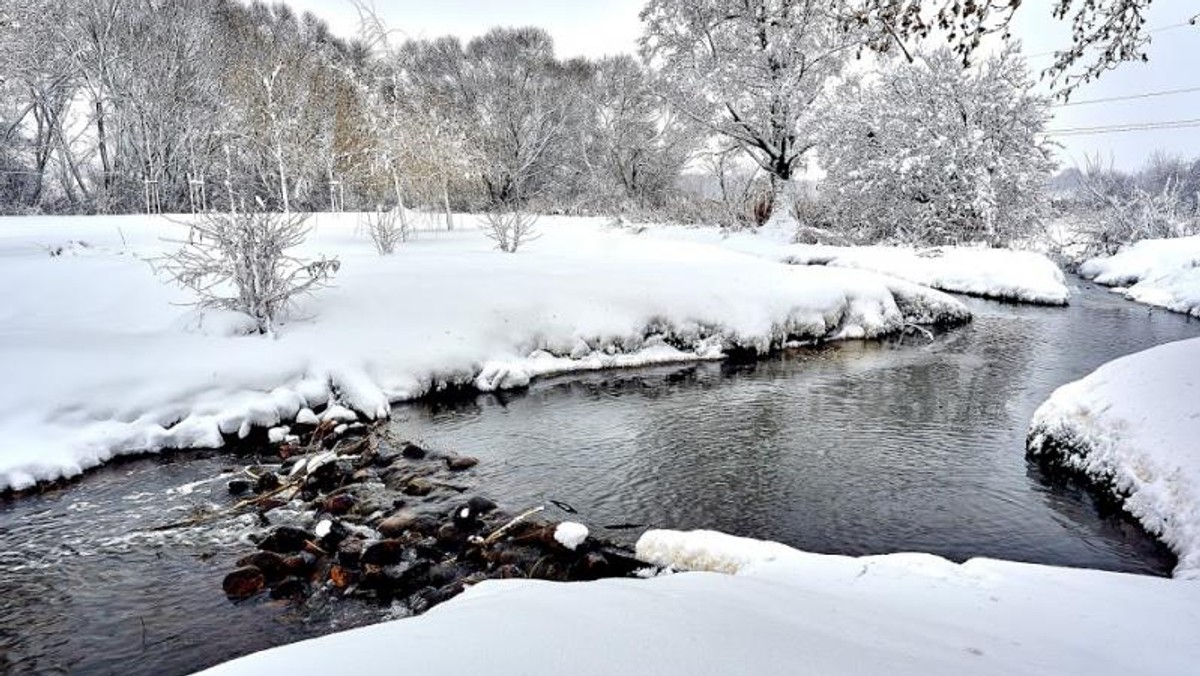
(1003, 274)
(1160, 272)
(781, 612)
(100, 356)
(1133, 425)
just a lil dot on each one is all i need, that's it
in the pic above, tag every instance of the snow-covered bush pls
(387, 228)
(929, 152)
(510, 227)
(1114, 208)
(242, 262)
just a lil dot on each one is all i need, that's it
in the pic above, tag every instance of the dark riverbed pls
(855, 448)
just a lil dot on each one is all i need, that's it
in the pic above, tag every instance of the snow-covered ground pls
(1133, 425)
(781, 612)
(1160, 272)
(1004, 274)
(100, 356)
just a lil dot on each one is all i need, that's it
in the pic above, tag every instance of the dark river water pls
(855, 448)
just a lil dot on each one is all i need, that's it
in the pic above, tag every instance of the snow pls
(570, 534)
(1004, 274)
(101, 357)
(783, 612)
(1132, 426)
(1160, 272)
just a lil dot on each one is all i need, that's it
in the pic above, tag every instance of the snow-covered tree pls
(750, 71)
(929, 152)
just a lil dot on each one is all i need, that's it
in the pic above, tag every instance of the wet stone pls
(418, 487)
(291, 588)
(509, 572)
(338, 505)
(244, 582)
(383, 553)
(481, 505)
(266, 483)
(459, 463)
(337, 533)
(300, 564)
(269, 563)
(407, 521)
(349, 552)
(413, 452)
(342, 577)
(285, 540)
(239, 486)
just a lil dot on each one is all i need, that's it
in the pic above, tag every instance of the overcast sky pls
(595, 28)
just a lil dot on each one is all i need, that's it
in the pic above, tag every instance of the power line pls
(1152, 31)
(1130, 97)
(1128, 127)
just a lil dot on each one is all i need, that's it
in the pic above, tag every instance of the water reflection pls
(856, 448)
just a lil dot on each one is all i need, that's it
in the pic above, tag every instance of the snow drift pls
(1160, 272)
(783, 612)
(1133, 427)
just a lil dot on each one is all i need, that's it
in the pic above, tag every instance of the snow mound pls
(101, 357)
(570, 534)
(1160, 272)
(793, 611)
(1133, 426)
(1002, 274)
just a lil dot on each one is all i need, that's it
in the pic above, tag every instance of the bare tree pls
(637, 145)
(243, 262)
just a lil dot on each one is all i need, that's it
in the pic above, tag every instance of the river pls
(854, 448)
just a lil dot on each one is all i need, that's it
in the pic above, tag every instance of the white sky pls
(595, 28)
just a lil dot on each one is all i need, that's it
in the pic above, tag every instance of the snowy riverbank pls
(1001, 274)
(1160, 272)
(780, 611)
(102, 357)
(1132, 427)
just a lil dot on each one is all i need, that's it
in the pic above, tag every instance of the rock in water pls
(481, 505)
(338, 505)
(383, 553)
(460, 463)
(269, 563)
(239, 486)
(413, 452)
(244, 583)
(407, 520)
(418, 487)
(285, 540)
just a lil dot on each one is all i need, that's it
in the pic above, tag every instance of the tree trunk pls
(446, 203)
(783, 203)
(102, 145)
